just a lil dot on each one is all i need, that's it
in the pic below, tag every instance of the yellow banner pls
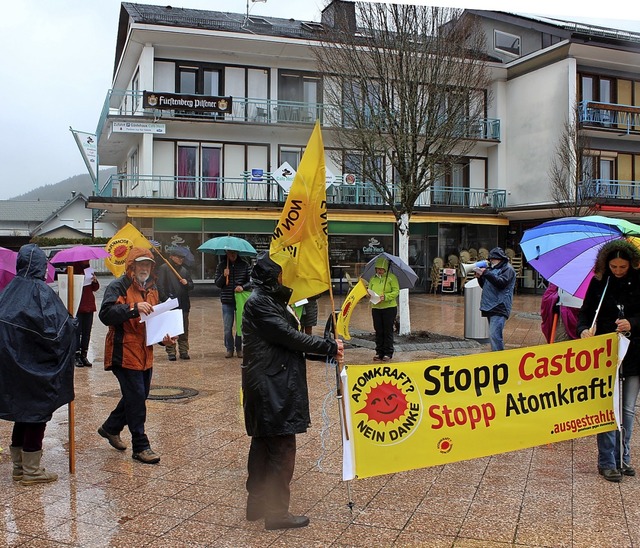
(301, 237)
(353, 298)
(403, 416)
(119, 246)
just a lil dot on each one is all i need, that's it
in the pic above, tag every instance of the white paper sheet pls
(169, 322)
(373, 297)
(160, 308)
(88, 276)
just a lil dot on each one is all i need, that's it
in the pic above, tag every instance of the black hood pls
(266, 271)
(31, 262)
(498, 253)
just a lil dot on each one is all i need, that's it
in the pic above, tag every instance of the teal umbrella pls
(220, 245)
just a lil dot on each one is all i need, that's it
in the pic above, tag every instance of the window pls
(449, 189)
(196, 79)
(600, 90)
(507, 43)
(198, 171)
(299, 97)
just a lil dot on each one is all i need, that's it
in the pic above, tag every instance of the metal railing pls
(610, 116)
(264, 188)
(609, 189)
(260, 111)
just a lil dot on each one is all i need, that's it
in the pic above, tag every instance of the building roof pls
(28, 210)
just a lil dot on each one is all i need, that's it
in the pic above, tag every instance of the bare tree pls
(408, 89)
(571, 171)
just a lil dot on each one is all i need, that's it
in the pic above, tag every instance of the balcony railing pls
(264, 188)
(610, 116)
(260, 111)
(609, 189)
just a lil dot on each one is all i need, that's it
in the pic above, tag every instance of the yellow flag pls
(353, 298)
(300, 240)
(119, 246)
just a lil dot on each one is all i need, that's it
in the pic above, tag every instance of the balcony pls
(610, 116)
(608, 189)
(128, 103)
(264, 189)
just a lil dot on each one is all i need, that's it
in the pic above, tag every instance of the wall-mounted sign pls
(138, 127)
(179, 101)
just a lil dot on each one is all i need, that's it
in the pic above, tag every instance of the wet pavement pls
(544, 496)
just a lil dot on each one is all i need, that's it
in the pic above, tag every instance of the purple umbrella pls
(79, 253)
(8, 260)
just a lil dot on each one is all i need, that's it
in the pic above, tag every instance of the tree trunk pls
(403, 253)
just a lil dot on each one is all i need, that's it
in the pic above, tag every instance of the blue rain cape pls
(37, 344)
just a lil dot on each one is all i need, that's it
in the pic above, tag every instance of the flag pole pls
(168, 264)
(72, 403)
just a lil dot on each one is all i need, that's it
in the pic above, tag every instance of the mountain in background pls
(62, 191)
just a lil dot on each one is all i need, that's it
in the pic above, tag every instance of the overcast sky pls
(58, 56)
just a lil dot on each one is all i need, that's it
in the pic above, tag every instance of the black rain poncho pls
(37, 344)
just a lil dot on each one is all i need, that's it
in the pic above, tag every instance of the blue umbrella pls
(222, 244)
(406, 276)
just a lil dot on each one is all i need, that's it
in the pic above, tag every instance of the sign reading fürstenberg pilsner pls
(196, 103)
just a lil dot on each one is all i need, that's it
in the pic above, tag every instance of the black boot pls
(84, 360)
(79, 362)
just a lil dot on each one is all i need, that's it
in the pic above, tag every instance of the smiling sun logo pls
(390, 407)
(385, 403)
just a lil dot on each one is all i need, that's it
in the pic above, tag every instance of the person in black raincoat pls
(38, 345)
(616, 283)
(276, 399)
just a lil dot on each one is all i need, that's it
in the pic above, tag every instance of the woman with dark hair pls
(618, 279)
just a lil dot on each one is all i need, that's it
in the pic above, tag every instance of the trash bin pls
(475, 325)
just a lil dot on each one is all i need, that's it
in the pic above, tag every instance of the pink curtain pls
(186, 172)
(211, 172)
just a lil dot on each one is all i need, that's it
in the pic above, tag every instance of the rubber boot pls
(84, 360)
(16, 457)
(32, 473)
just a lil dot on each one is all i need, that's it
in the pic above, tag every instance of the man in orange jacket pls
(126, 352)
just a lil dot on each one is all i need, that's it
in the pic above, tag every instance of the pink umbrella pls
(8, 260)
(79, 253)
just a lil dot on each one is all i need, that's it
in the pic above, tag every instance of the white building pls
(188, 173)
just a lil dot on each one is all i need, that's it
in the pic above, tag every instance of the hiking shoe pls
(610, 474)
(185, 357)
(172, 357)
(229, 354)
(627, 470)
(114, 439)
(288, 521)
(239, 353)
(147, 456)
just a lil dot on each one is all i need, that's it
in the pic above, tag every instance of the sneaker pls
(185, 357)
(610, 474)
(147, 456)
(114, 439)
(377, 358)
(386, 358)
(229, 354)
(172, 357)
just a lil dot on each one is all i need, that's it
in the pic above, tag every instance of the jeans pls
(131, 410)
(228, 319)
(496, 326)
(609, 442)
